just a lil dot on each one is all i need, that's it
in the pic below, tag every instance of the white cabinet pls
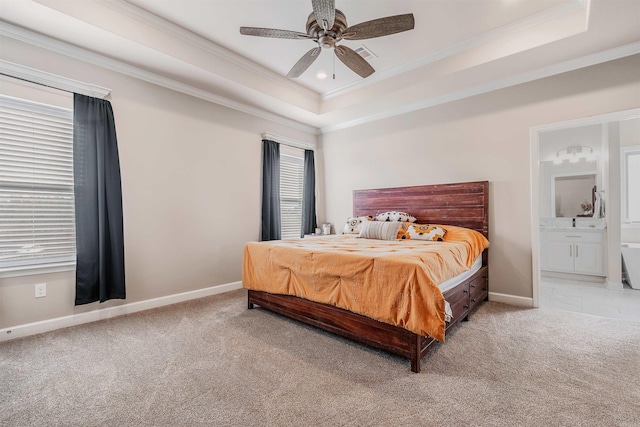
(560, 256)
(573, 251)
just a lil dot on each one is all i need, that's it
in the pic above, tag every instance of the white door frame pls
(535, 177)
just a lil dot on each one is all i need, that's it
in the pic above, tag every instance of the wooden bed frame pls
(461, 204)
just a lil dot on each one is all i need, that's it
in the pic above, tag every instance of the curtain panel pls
(309, 223)
(270, 229)
(100, 274)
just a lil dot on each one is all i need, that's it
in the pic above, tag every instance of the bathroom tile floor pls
(590, 298)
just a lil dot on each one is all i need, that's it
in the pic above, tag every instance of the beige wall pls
(190, 183)
(481, 138)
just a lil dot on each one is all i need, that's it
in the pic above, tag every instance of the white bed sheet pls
(448, 284)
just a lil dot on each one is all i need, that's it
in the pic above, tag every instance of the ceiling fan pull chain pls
(334, 66)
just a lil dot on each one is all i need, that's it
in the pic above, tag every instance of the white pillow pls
(380, 230)
(395, 216)
(354, 225)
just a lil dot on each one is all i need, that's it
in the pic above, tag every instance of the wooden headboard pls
(463, 204)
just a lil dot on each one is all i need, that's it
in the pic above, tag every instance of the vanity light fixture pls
(574, 154)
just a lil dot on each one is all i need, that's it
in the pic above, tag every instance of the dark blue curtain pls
(309, 223)
(270, 190)
(98, 202)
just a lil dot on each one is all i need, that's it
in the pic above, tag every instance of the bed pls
(461, 205)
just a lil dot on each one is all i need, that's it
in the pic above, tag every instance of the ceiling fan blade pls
(325, 12)
(354, 61)
(304, 63)
(380, 27)
(271, 32)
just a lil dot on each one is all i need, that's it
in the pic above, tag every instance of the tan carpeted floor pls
(212, 362)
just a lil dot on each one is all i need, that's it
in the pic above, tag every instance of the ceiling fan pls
(327, 26)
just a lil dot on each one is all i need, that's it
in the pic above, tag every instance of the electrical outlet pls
(41, 290)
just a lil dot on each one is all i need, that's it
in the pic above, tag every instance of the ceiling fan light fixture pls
(327, 42)
(321, 75)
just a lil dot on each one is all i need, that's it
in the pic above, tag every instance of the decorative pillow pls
(395, 216)
(354, 225)
(403, 231)
(380, 230)
(425, 232)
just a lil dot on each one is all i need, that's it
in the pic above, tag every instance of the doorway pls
(571, 279)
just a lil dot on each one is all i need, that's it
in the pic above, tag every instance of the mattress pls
(451, 283)
(448, 284)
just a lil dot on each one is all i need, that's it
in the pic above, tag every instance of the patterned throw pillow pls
(425, 232)
(403, 231)
(354, 225)
(395, 216)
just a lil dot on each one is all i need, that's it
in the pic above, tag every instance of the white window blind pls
(37, 225)
(291, 180)
(631, 185)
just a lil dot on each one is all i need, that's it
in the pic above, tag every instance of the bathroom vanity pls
(574, 250)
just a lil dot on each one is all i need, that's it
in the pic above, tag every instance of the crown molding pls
(204, 44)
(552, 70)
(45, 42)
(52, 80)
(600, 119)
(522, 24)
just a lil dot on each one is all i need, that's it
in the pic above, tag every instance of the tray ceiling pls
(457, 49)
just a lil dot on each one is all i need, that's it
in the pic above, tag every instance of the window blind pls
(291, 181)
(37, 224)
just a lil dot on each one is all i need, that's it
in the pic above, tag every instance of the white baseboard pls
(569, 277)
(107, 313)
(614, 286)
(511, 299)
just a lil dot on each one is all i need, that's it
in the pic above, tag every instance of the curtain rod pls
(288, 141)
(43, 78)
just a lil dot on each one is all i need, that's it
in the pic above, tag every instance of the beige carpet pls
(213, 362)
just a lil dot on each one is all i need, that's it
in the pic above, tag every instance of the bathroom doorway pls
(576, 215)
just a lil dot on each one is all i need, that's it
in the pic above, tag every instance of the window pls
(630, 179)
(37, 224)
(291, 186)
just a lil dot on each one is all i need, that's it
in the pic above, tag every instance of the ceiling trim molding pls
(522, 24)
(45, 42)
(193, 39)
(552, 70)
(52, 80)
(617, 116)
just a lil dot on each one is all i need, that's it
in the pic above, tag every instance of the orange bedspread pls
(394, 282)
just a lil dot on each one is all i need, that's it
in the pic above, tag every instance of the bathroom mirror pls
(570, 191)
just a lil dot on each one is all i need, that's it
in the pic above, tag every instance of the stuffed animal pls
(354, 224)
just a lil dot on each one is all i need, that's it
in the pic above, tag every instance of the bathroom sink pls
(556, 222)
(582, 223)
(597, 223)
